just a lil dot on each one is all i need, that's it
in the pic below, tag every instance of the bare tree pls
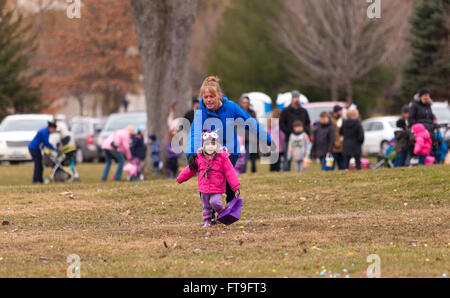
(164, 29)
(336, 42)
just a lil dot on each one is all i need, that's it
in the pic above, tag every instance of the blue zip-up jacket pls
(41, 140)
(205, 119)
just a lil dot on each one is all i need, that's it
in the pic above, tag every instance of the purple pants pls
(211, 201)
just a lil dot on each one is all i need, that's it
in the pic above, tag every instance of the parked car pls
(315, 108)
(378, 133)
(442, 112)
(85, 131)
(119, 121)
(16, 132)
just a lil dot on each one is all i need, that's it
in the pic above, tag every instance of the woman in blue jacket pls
(35, 147)
(216, 112)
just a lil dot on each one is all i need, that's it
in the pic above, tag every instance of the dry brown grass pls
(292, 225)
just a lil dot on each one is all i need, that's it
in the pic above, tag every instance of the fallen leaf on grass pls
(5, 223)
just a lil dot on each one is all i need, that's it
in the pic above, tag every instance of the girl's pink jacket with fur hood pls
(424, 143)
(220, 172)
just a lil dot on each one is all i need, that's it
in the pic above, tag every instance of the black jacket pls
(421, 113)
(190, 116)
(137, 147)
(289, 115)
(323, 142)
(353, 134)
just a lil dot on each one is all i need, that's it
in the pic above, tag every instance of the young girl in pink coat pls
(424, 144)
(214, 170)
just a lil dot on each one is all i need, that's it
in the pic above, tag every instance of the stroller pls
(387, 161)
(63, 165)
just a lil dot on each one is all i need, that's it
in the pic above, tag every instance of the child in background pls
(299, 146)
(423, 142)
(353, 134)
(171, 156)
(442, 151)
(138, 150)
(323, 140)
(155, 148)
(215, 169)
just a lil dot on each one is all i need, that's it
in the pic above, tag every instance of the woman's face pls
(211, 99)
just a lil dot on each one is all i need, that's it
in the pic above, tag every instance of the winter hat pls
(424, 91)
(295, 94)
(152, 137)
(208, 136)
(52, 123)
(337, 108)
(405, 109)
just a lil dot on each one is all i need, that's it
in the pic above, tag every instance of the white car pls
(378, 133)
(16, 132)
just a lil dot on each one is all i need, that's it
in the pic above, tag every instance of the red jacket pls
(221, 171)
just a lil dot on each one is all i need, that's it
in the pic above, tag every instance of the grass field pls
(293, 225)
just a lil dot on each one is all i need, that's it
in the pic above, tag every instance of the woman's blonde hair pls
(353, 113)
(211, 82)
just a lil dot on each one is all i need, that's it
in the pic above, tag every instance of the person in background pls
(441, 152)
(35, 147)
(171, 156)
(353, 134)
(423, 143)
(191, 113)
(155, 148)
(117, 146)
(405, 115)
(138, 150)
(403, 146)
(335, 116)
(275, 126)
(251, 151)
(323, 140)
(420, 111)
(299, 146)
(292, 113)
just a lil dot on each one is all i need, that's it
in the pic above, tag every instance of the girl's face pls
(211, 99)
(211, 147)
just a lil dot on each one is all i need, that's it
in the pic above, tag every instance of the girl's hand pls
(237, 193)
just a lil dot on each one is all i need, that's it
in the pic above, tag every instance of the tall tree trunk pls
(349, 91)
(164, 30)
(334, 89)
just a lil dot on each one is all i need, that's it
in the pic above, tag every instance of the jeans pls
(250, 156)
(339, 160)
(109, 155)
(421, 159)
(38, 168)
(400, 159)
(230, 192)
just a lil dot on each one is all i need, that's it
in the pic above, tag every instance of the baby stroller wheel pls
(60, 176)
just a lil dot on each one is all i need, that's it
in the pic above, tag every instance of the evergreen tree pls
(430, 62)
(17, 43)
(242, 53)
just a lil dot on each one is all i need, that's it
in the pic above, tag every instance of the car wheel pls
(79, 156)
(384, 147)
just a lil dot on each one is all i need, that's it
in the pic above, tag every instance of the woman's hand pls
(193, 162)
